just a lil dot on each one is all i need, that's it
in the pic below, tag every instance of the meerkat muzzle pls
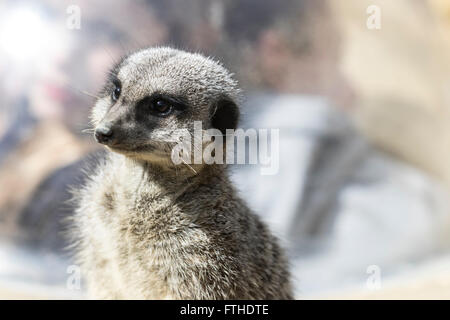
(104, 135)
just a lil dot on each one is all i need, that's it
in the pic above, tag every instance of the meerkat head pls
(153, 93)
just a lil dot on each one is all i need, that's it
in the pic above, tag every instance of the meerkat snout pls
(104, 134)
(148, 228)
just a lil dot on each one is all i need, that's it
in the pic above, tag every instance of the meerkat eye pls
(161, 107)
(115, 94)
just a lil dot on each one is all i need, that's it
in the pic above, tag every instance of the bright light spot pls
(25, 36)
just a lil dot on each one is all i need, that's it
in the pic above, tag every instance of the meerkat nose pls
(103, 134)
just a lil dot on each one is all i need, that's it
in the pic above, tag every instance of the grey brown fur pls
(150, 229)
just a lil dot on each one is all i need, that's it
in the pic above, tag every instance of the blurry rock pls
(400, 75)
(47, 147)
(19, 129)
(44, 219)
(318, 150)
(339, 204)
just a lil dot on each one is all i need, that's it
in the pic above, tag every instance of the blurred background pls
(360, 91)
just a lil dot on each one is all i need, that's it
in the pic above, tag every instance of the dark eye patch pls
(178, 102)
(149, 103)
(225, 115)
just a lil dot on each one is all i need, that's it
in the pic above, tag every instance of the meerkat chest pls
(145, 230)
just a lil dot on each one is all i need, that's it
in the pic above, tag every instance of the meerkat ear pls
(226, 115)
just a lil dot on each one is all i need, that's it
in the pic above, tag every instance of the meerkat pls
(150, 229)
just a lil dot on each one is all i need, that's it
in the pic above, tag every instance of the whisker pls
(83, 91)
(188, 166)
(90, 94)
(113, 60)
